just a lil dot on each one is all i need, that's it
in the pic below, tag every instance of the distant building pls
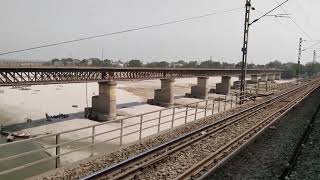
(72, 62)
(178, 65)
(88, 62)
(117, 64)
(57, 63)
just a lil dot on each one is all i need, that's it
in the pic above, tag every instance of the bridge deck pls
(51, 75)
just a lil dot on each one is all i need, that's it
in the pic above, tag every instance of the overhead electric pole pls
(245, 48)
(299, 60)
(102, 54)
(247, 24)
(314, 63)
(314, 57)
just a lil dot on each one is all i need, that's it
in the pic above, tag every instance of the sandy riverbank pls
(52, 99)
(16, 105)
(145, 89)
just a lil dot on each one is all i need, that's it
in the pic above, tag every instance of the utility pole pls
(314, 57)
(314, 62)
(247, 24)
(299, 60)
(102, 53)
(245, 49)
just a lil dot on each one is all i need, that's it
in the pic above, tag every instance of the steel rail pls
(86, 137)
(293, 160)
(179, 147)
(212, 159)
(144, 154)
(68, 142)
(183, 145)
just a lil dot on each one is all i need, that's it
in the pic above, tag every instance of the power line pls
(269, 12)
(297, 25)
(247, 26)
(304, 32)
(311, 46)
(275, 19)
(121, 32)
(311, 40)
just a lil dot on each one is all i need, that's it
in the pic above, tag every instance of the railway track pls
(304, 138)
(192, 155)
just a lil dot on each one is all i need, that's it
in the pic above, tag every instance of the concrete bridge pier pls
(271, 77)
(224, 86)
(104, 106)
(263, 77)
(277, 76)
(201, 89)
(164, 96)
(236, 84)
(254, 78)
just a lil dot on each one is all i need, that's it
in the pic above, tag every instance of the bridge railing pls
(118, 132)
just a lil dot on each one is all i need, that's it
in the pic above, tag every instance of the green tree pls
(191, 64)
(107, 63)
(289, 70)
(135, 63)
(210, 64)
(274, 65)
(55, 61)
(162, 64)
(238, 65)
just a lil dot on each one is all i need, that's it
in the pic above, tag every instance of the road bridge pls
(54, 75)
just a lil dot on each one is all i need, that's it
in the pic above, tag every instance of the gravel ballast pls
(86, 167)
(308, 164)
(269, 154)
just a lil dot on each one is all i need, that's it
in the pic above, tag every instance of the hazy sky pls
(28, 23)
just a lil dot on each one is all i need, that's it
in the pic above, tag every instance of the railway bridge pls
(49, 75)
(104, 104)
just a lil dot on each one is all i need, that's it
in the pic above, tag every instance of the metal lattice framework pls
(51, 75)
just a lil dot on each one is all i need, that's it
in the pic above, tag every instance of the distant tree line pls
(85, 62)
(289, 69)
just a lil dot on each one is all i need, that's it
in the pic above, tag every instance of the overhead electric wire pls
(311, 46)
(304, 32)
(312, 40)
(275, 19)
(297, 25)
(268, 12)
(122, 31)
